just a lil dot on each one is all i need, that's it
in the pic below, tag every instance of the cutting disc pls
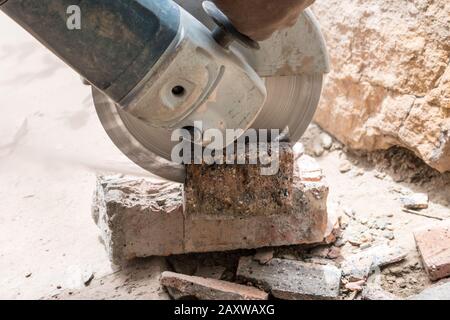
(292, 63)
(291, 103)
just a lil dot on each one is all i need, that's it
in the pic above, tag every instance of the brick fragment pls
(139, 217)
(434, 246)
(180, 286)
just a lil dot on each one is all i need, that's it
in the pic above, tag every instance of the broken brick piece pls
(138, 217)
(292, 280)
(183, 286)
(434, 247)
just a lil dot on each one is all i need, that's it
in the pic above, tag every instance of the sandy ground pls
(51, 147)
(51, 144)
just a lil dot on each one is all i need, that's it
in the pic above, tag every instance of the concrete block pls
(292, 280)
(184, 286)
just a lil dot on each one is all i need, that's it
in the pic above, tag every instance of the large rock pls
(390, 78)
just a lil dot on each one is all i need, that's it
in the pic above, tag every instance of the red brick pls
(180, 285)
(434, 246)
(142, 217)
(139, 217)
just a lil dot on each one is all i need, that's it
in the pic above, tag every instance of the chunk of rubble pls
(355, 286)
(184, 286)
(263, 255)
(375, 292)
(292, 280)
(345, 166)
(433, 244)
(439, 291)
(360, 265)
(415, 201)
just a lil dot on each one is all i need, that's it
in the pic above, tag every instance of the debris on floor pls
(213, 272)
(369, 247)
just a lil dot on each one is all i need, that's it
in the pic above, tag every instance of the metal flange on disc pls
(292, 63)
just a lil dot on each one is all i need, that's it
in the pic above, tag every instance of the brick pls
(143, 217)
(434, 246)
(292, 280)
(181, 286)
(415, 201)
(138, 217)
(240, 190)
(306, 224)
(214, 272)
(361, 264)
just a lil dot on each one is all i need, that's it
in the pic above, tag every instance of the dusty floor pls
(52, 145)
